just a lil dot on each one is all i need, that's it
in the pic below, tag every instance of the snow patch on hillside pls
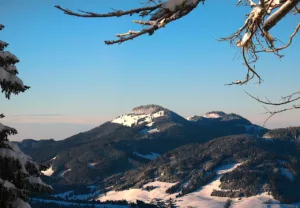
(151, 156)
(48, 172)
(267, 137)
(152, 131)
(199, 198)
(135, 119)
(92, 165)
(202, 197)
(53, 158)
(133, 194)
(61, 174)
(149, 131)
(258, 201)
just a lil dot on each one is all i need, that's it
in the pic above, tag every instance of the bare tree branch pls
(161, 16)
(117, 13)
(253, 37)
(287, 99)
(279, 14)
(285, 46)
(273, 113)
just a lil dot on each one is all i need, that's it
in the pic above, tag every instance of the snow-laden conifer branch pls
(21, 175)
(158, 14)
(21, 178)
(9, 82)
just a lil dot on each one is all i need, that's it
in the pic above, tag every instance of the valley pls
(153, 155)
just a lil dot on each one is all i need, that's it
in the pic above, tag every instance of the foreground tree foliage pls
(19, 175)
(253, 37)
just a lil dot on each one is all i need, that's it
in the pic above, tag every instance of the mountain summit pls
(129, 141)
(148, 115)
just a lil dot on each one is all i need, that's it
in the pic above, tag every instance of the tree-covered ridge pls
(285, 134)
(263, 167)
(111, 147)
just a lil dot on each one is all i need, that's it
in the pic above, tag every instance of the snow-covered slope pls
(151, 117)
(133, 119)
(200, 198)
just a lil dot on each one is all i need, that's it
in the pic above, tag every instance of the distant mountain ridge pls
(129, 141)
(284, 134)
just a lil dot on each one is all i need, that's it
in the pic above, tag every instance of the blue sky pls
(78, 82)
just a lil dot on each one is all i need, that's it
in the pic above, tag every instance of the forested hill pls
(129, 141)
(265, 166)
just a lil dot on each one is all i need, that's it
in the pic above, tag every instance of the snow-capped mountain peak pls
(145, 114)
(214, 114)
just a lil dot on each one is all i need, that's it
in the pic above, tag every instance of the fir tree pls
(19, 175)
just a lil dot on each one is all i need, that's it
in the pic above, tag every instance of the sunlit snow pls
(48, 172)
(150, 156)
(135, 119)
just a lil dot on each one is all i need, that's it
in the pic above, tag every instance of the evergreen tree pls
(19, 175)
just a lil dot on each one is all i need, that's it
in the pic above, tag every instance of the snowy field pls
(200, 199)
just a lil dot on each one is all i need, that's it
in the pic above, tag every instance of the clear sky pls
(78, 82)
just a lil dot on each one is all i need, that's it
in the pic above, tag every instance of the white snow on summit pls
(135, 119)
(212, 115)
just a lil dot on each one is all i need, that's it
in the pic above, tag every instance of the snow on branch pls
(5, 131)
(254, 36)
(29, 170)
(9, 82)
(3, 45)
(158, 14)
